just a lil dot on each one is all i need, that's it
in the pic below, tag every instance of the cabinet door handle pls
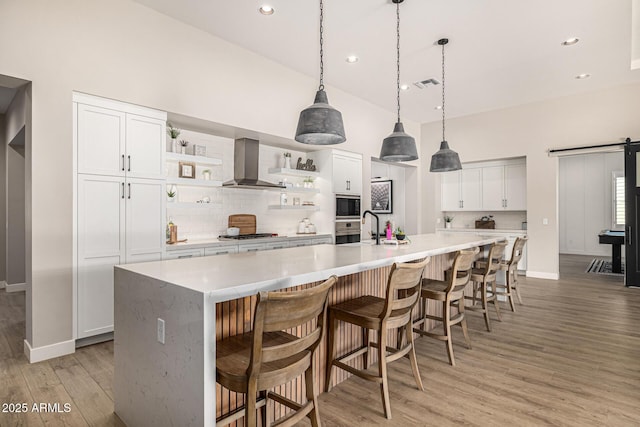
(222, 253)
(348, 185)
(628, 235)
(185, 256)
(123, 162)
(505, 203)
(129, 168)
(123, 190)
(252, 250)
(462, 203)
(129, 185)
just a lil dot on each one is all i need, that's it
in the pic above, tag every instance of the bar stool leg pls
(365, 344)
(382, 369)
(509, 293)
(331, 350)
(250, 402)
(309, 375)
(264, 414)
(485, 311)
(412, 356)
(446, 323)
(515, 286)
(463, 323)
(494, 298)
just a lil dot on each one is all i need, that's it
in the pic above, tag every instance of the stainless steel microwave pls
(347, 207)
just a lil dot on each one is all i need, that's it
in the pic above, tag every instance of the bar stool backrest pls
(494, 260)
(516, 254)
(403, 289)
(278, 311)
(460, 272)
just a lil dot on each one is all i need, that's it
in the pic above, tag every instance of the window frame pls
(614, 217)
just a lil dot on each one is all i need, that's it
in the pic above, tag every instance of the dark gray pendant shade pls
(445, 159)
(399, 146)
(320, 123)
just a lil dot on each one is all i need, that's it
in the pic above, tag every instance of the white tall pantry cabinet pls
(120, 199)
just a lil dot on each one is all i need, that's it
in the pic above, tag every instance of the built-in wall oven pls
(347, 219)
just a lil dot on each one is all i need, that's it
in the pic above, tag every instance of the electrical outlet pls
(545, 221)
(160, 331)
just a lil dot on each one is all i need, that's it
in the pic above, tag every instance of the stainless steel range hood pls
(245, 166)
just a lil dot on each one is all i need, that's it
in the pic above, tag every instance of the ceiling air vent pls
(425, 83)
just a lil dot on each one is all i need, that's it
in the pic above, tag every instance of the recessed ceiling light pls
(351, 59)
(571, 41)
(583, 76)
(404, 87)
(266, 10)
(438, 107)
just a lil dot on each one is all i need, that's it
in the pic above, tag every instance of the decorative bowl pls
(233, 231)
(400, 236)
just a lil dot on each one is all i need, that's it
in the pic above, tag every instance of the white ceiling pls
(501, 52)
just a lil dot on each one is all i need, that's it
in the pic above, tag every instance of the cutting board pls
(245, 222)
(486, 224)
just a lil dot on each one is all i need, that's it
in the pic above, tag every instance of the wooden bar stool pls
(482, 278)
(510, 267)
(449, 293)
(380, 315)
(266, 357)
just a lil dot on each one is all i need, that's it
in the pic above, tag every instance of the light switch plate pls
(160, 330)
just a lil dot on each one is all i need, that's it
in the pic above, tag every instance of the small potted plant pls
(400, 234)
(183, 146)
(308, 182)
(447, 221)
(287, 160)
(173, 133)
(172, 192)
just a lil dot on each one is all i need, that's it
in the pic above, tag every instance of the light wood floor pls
(570, 356)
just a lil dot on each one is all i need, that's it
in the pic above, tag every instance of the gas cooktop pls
(248, 236)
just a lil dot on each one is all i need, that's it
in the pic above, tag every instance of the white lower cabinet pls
(119, 221)
(300, 242)
(254, 247)
(277, 245)
(184, 253)
(221, 250)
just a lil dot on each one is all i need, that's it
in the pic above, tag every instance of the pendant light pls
(399, 146)
(320, 123)
(445, 159)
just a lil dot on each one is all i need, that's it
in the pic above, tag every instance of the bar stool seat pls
(257, 361)
(451, 294)
(381, 315)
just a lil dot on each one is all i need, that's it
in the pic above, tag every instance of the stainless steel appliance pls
(245, 166)
(347, 207)
(347, 231)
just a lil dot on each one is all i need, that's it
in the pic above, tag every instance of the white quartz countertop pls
(227, 277)
(482, 230)
(211, 242)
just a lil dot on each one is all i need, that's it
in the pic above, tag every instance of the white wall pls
(3, 202)
(121, 50)
(530, 130)
(586, 201)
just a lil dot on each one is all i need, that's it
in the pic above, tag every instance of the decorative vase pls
(447, 225)
(183, 149)
(287, 162)
(206, 175)
(174, 145)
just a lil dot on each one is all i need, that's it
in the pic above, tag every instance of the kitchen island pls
(169, 314)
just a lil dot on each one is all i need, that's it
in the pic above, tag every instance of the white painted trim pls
(46, 352)
(83, 98)
(543, 275)
(16, 287)
(3, 284)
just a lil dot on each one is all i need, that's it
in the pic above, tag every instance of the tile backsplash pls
(504, 220)
(209, 220)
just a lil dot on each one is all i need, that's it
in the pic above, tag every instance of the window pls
(618, 200)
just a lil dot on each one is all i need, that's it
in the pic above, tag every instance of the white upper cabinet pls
(347, 173)
(493, 186)
(118, 139)
(461, 190)
(101, 140)
(145, 147)
(515, 187)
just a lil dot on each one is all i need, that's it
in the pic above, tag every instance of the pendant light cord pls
(443, 92)
(321, 45)
(398, 56)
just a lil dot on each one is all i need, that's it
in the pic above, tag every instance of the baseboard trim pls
(16, 287)
(542, 275)
(46, 352)
(3, 284)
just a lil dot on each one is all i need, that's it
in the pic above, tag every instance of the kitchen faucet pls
(377, 224)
